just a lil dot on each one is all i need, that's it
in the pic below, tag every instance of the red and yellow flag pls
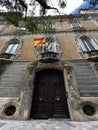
(39, 41)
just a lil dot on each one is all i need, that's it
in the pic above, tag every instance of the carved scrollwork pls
(68, 68)
(96, 66)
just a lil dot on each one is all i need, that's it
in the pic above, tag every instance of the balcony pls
(92, 56)
(6, 58)
(49, 56)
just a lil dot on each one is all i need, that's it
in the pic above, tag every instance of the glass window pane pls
(75, 25)
(8, 49)
(90, 45)
(86, 46)
(13, 50)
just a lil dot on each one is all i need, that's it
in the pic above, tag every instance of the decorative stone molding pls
(96, 66)
(73, 95)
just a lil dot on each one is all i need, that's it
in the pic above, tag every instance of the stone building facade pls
(62, 84)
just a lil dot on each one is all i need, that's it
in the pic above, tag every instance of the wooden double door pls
(49, 97)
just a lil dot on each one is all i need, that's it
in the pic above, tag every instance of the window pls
(51, 45)
(87, 44)
(95, 21)
(75, 24)
(21, 29)
(11, 48)
(49, 51)
(2, 27)
(88, 47)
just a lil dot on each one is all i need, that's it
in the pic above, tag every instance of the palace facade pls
(40, 83)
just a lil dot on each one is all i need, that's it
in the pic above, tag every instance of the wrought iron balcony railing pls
(6, 57)
(49, 56)
(93, 56)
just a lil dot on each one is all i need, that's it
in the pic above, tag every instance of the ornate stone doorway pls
(49, 97)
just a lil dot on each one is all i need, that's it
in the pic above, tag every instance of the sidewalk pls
(48, 125)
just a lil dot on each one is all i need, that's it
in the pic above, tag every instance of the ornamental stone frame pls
(26, 97)
(75, 102)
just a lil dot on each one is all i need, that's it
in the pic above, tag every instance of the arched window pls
(51, 45)
(88, 47)
(88, 44)
(75, 24)
(10, 50)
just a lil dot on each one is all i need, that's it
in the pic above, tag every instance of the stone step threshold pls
(48, 125)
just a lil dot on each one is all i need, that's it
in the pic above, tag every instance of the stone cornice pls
(53, 32)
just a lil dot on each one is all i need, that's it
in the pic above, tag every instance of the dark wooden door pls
(49, 97)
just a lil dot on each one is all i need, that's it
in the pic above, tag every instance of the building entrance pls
(49, 97)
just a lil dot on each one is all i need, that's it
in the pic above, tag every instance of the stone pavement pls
(48, 125)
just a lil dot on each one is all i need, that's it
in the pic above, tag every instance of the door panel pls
(40, 100)
(49, 100)
(58, 100)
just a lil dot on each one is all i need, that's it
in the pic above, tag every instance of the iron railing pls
(48, 56)
(6, 57)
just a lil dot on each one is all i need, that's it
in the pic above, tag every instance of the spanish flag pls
(39, 41)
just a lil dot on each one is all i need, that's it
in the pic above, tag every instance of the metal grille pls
(88, 110)
(9, 111)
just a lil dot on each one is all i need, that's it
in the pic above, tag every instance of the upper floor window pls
(11, 48)
(87, 44)
(50, 45)
(49, 51)
(88, 47)
(2, 27)
(95, 21)
(75, 24)
(49, 27)
(21, 29)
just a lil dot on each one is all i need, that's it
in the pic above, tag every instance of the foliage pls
(30, 24)
(12, 17)
(18, 8)
(38, 25)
